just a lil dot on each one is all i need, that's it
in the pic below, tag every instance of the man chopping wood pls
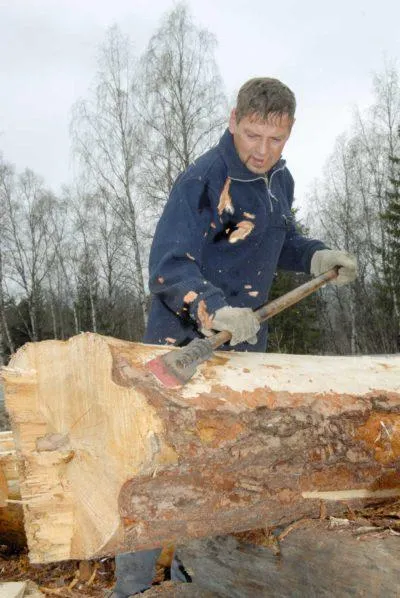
(225, 230)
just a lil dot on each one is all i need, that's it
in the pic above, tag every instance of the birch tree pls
(27, 233)
(105, 139)
(6, 177)
(6, 182)
(181, 103)
(113, 254)
(348, 204)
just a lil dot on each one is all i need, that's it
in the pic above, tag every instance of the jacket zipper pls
(267, 184)
(270, 181)
(268, 192)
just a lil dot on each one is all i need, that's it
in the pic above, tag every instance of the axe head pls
(175, 368)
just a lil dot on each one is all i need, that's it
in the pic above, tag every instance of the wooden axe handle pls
(272, 308)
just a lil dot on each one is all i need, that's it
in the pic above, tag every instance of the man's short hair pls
(264, 96)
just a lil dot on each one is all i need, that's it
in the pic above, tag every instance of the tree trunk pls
(112, 461)
(92, 309)
(3, 324)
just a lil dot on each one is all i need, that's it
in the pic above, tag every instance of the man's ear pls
(232, 121)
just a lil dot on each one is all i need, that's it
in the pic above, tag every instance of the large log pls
(112, 461)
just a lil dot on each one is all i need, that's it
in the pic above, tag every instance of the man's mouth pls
(257, 161)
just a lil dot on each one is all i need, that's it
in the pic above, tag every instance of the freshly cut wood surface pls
(11, 518)
(9, 486)
(111, 461)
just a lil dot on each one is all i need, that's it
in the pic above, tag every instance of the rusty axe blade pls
(175, 368)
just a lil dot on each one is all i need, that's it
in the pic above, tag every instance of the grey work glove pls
(326, 259)
(239, 321)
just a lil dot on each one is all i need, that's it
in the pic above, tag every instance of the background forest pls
(78, 261)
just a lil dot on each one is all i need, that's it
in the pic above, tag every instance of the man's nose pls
(263, 147)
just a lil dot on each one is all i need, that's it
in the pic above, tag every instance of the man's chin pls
(257, 169)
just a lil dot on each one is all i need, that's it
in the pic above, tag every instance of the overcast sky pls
(325, 51)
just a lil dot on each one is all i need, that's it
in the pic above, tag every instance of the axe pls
(175, 368)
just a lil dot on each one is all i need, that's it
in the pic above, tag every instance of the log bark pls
(111, 461)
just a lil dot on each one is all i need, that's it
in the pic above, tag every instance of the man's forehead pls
(275, 119)
(275, 122)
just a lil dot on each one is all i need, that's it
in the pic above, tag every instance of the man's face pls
(260, 143)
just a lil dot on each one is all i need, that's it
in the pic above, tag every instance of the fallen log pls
(312, 561)
(112, 461)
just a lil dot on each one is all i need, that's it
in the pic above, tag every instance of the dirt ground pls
(72, 578)
(69, 579)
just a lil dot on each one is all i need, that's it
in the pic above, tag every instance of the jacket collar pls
(236, 168)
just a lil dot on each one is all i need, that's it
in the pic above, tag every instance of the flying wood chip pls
(242, 230)
(225, 201)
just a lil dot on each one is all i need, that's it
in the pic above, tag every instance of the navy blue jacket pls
(197, 262)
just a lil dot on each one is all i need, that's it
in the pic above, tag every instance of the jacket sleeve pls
(297, 249)
(175, 267)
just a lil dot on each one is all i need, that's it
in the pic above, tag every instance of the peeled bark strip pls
(112, 461)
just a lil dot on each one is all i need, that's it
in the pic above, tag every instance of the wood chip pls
(12, 589)
(91, 580)
(3, 488)
(242, 230)
(295, 525)
(338, 522)
(190, 297)
(367, 529)
(225, 201)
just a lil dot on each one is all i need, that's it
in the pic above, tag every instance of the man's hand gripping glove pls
(326, 259)
(241, 322)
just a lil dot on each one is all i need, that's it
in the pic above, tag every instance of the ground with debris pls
(354, 555)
